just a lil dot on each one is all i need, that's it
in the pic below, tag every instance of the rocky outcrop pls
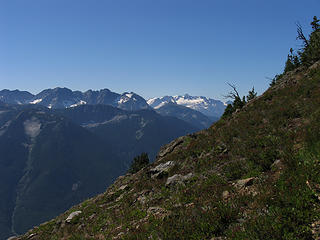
(161, 170)
(170, 147)
(244, 183)
(178, 179)
(72, 215)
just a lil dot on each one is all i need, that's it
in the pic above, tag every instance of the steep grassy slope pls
(255, 175)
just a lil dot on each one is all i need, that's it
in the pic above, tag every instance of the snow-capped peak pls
(125, 97)
(129, 95)
(207, 106)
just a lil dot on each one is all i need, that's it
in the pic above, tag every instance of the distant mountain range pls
(66, 98)
(201, 112)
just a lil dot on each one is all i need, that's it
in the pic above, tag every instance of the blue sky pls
(151, 47)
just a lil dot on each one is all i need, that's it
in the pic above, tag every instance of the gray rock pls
(13, 238)
(72, 215)
(123, 187)
(178, 179)
(225, 194)
(276, 164)
(244, 182)
(161, 170)
(31, 235)
(170, 147)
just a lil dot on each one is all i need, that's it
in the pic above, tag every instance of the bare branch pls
(301, 35)
(232, 94)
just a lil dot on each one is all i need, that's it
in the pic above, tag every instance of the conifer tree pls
(139, 162)
(251, 95)
(310, 52)
(289, 66)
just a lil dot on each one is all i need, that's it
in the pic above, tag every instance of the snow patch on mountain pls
(160, 105)
(129, 95)
(36, 101)
(126, 97)
(78, 104)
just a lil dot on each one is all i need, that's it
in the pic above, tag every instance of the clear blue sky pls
(151, 47)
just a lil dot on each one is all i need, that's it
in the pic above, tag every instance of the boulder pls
(72, 215)
(225, 195)
(244, 182)
(31, 235)
(123, 187)
(161, 170)
(178, 179)
(13, 238)
(276, 165)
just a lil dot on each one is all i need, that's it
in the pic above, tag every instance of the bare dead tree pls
(232, 94)
(301, 35)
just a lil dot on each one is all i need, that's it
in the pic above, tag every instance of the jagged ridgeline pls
(255, 174)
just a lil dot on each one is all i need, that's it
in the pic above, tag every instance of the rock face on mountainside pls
(252, 175)
(15, 97)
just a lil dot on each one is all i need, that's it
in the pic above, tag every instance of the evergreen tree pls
(289, 66)
(139, 162)
(228, 110)
(251, 95)
(315, 24)
(310, 52)
(292, 62)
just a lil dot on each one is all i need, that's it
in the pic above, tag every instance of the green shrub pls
(139, 162)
